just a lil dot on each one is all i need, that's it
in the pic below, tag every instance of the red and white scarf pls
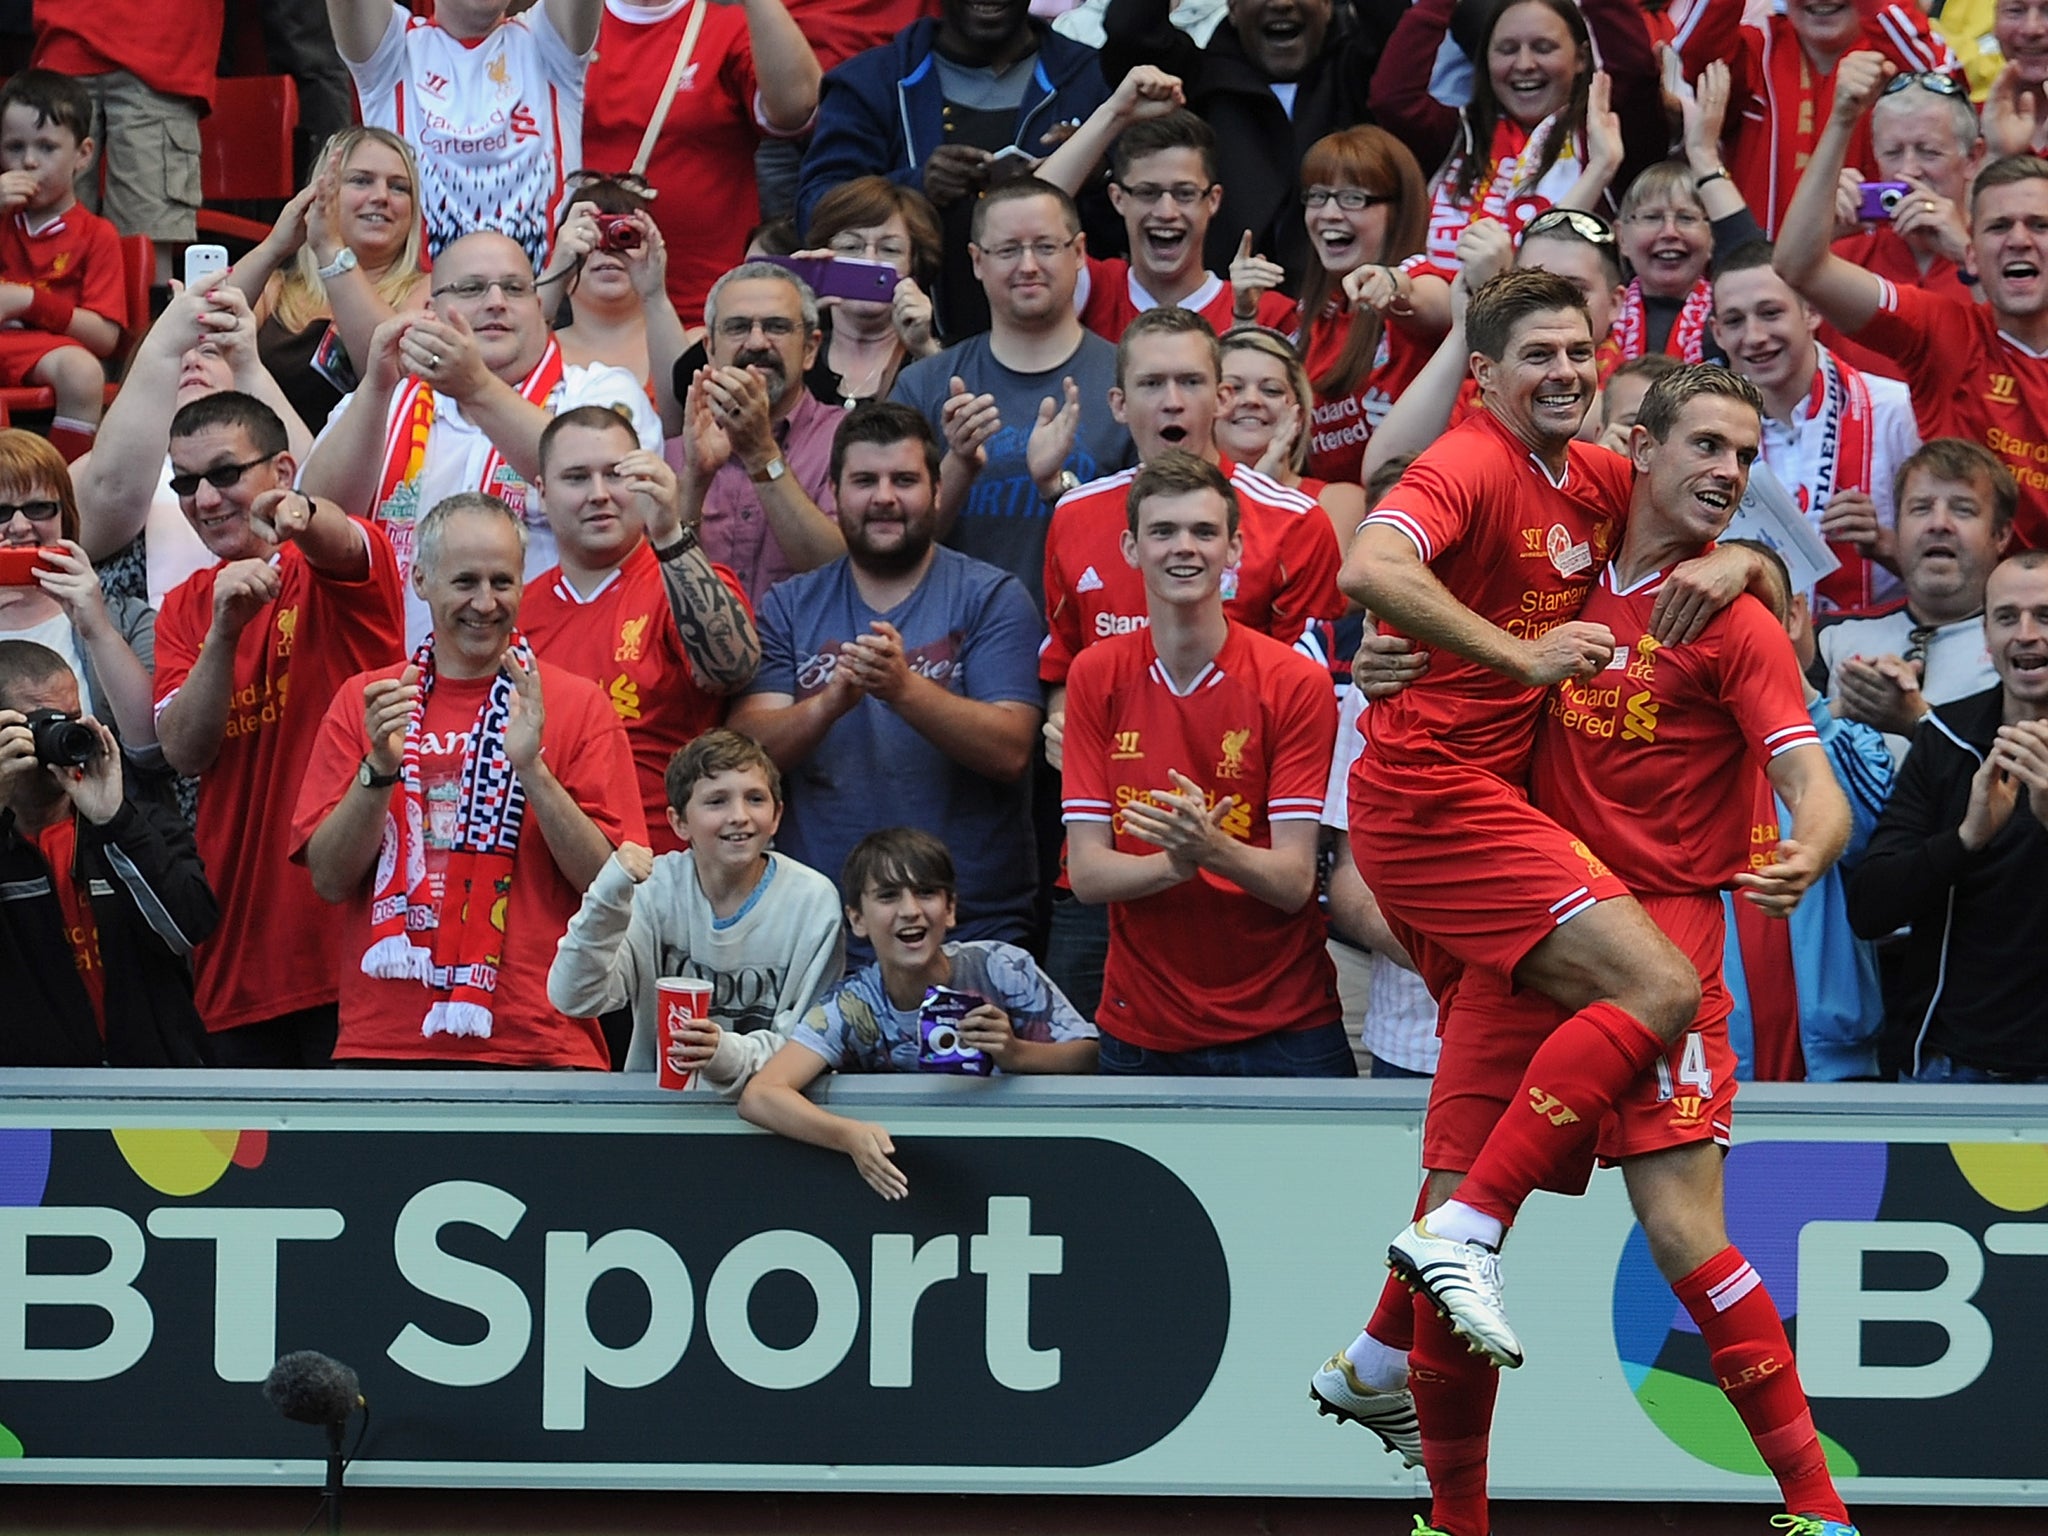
(405, 454)
(453, 950)
(1688, 338)
(1507, 191)
(1840, 402)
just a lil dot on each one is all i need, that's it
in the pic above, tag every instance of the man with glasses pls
(1784, 81)
(1977, 371)
(1165, 188)
(1955, 504)
(756, 443)
(1037, 362)
(248, 652)
(492, 103)
(455, 398)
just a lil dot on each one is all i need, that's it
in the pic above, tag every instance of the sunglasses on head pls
(1589, 227)
(1927, 80)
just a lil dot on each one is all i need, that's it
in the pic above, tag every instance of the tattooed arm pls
(717, 629)
(718, 632)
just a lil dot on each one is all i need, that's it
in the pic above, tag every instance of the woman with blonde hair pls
(1267, 406)
(109, 643)
(343, 258)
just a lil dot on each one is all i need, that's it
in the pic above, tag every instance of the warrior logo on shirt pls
(1126, 747)
(632, 640)
(1232, 765)
(2003, 391)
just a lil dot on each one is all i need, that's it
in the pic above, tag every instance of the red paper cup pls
(677, 998)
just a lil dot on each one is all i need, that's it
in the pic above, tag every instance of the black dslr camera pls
(61, 741)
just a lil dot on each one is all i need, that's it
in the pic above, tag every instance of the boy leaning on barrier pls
(760, 927)
(914, 1007)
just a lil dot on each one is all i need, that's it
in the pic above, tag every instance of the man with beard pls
(752, 456)
(899, 684)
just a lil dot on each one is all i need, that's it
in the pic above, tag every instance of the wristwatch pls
(770, 472)
(345, 262)
(370, 778)
(1068, 481)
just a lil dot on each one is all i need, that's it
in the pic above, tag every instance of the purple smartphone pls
(843, 277)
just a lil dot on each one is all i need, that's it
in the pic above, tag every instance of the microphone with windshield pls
(311, 1388)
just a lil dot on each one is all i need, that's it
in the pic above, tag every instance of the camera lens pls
(1890, 198)
(61, 741)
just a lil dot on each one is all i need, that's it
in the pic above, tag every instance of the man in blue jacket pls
(945, 108)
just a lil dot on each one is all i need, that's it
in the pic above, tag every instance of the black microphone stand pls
(332, 1493)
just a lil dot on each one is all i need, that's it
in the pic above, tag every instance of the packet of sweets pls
(939, 1046)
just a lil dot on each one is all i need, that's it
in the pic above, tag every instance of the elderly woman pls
(343, 257)
(109, 643)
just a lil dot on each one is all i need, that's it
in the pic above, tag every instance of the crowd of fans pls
(667, 497)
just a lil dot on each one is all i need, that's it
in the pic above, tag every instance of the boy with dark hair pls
(63, 303)
(898, 887)
(760, 927)
(1163, 183)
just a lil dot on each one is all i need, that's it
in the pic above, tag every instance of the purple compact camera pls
(1881, 199)
(939, 1048)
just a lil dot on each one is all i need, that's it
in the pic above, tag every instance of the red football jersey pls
(1651, 762)
(1286, 578)
(1203, 963)
(586, 751)
(1518, 549)
(274, 951)
(78, 257)
(624, 638)
(1971, 380)
(1342, 424)
(1114, 300)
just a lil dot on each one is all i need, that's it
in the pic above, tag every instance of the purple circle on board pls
(24, 1166)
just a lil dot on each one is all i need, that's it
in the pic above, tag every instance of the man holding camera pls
(101, 897)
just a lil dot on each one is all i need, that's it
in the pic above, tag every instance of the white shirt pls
(1400, 1017)
(1796, 453)
(458, 449)
(497, 127)
(1956, 663)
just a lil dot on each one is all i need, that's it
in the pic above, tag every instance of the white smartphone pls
(203, 263)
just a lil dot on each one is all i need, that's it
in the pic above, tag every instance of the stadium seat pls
(245, 151)
(138, 270)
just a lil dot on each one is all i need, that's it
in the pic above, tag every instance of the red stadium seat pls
(245, 151)
(138, 270)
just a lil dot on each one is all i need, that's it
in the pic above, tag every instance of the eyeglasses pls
(1916, 643)
(34, 511)
(1657, 218)
(740, 327)
(1185, 193)
(1043, 250)
(221, 477)
(469, 289)
(1927, 80)
(1350, 199)
(625, 181)
(1589, 227)
(895, 252)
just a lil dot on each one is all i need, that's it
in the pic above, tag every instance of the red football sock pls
(1454, 1391)
(73, 439)
(1393, 1320)
(1572, 1082)
(1752, 1360)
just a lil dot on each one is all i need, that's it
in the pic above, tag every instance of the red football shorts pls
(21, 350)
(1492, 1030)
(1466, 870)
